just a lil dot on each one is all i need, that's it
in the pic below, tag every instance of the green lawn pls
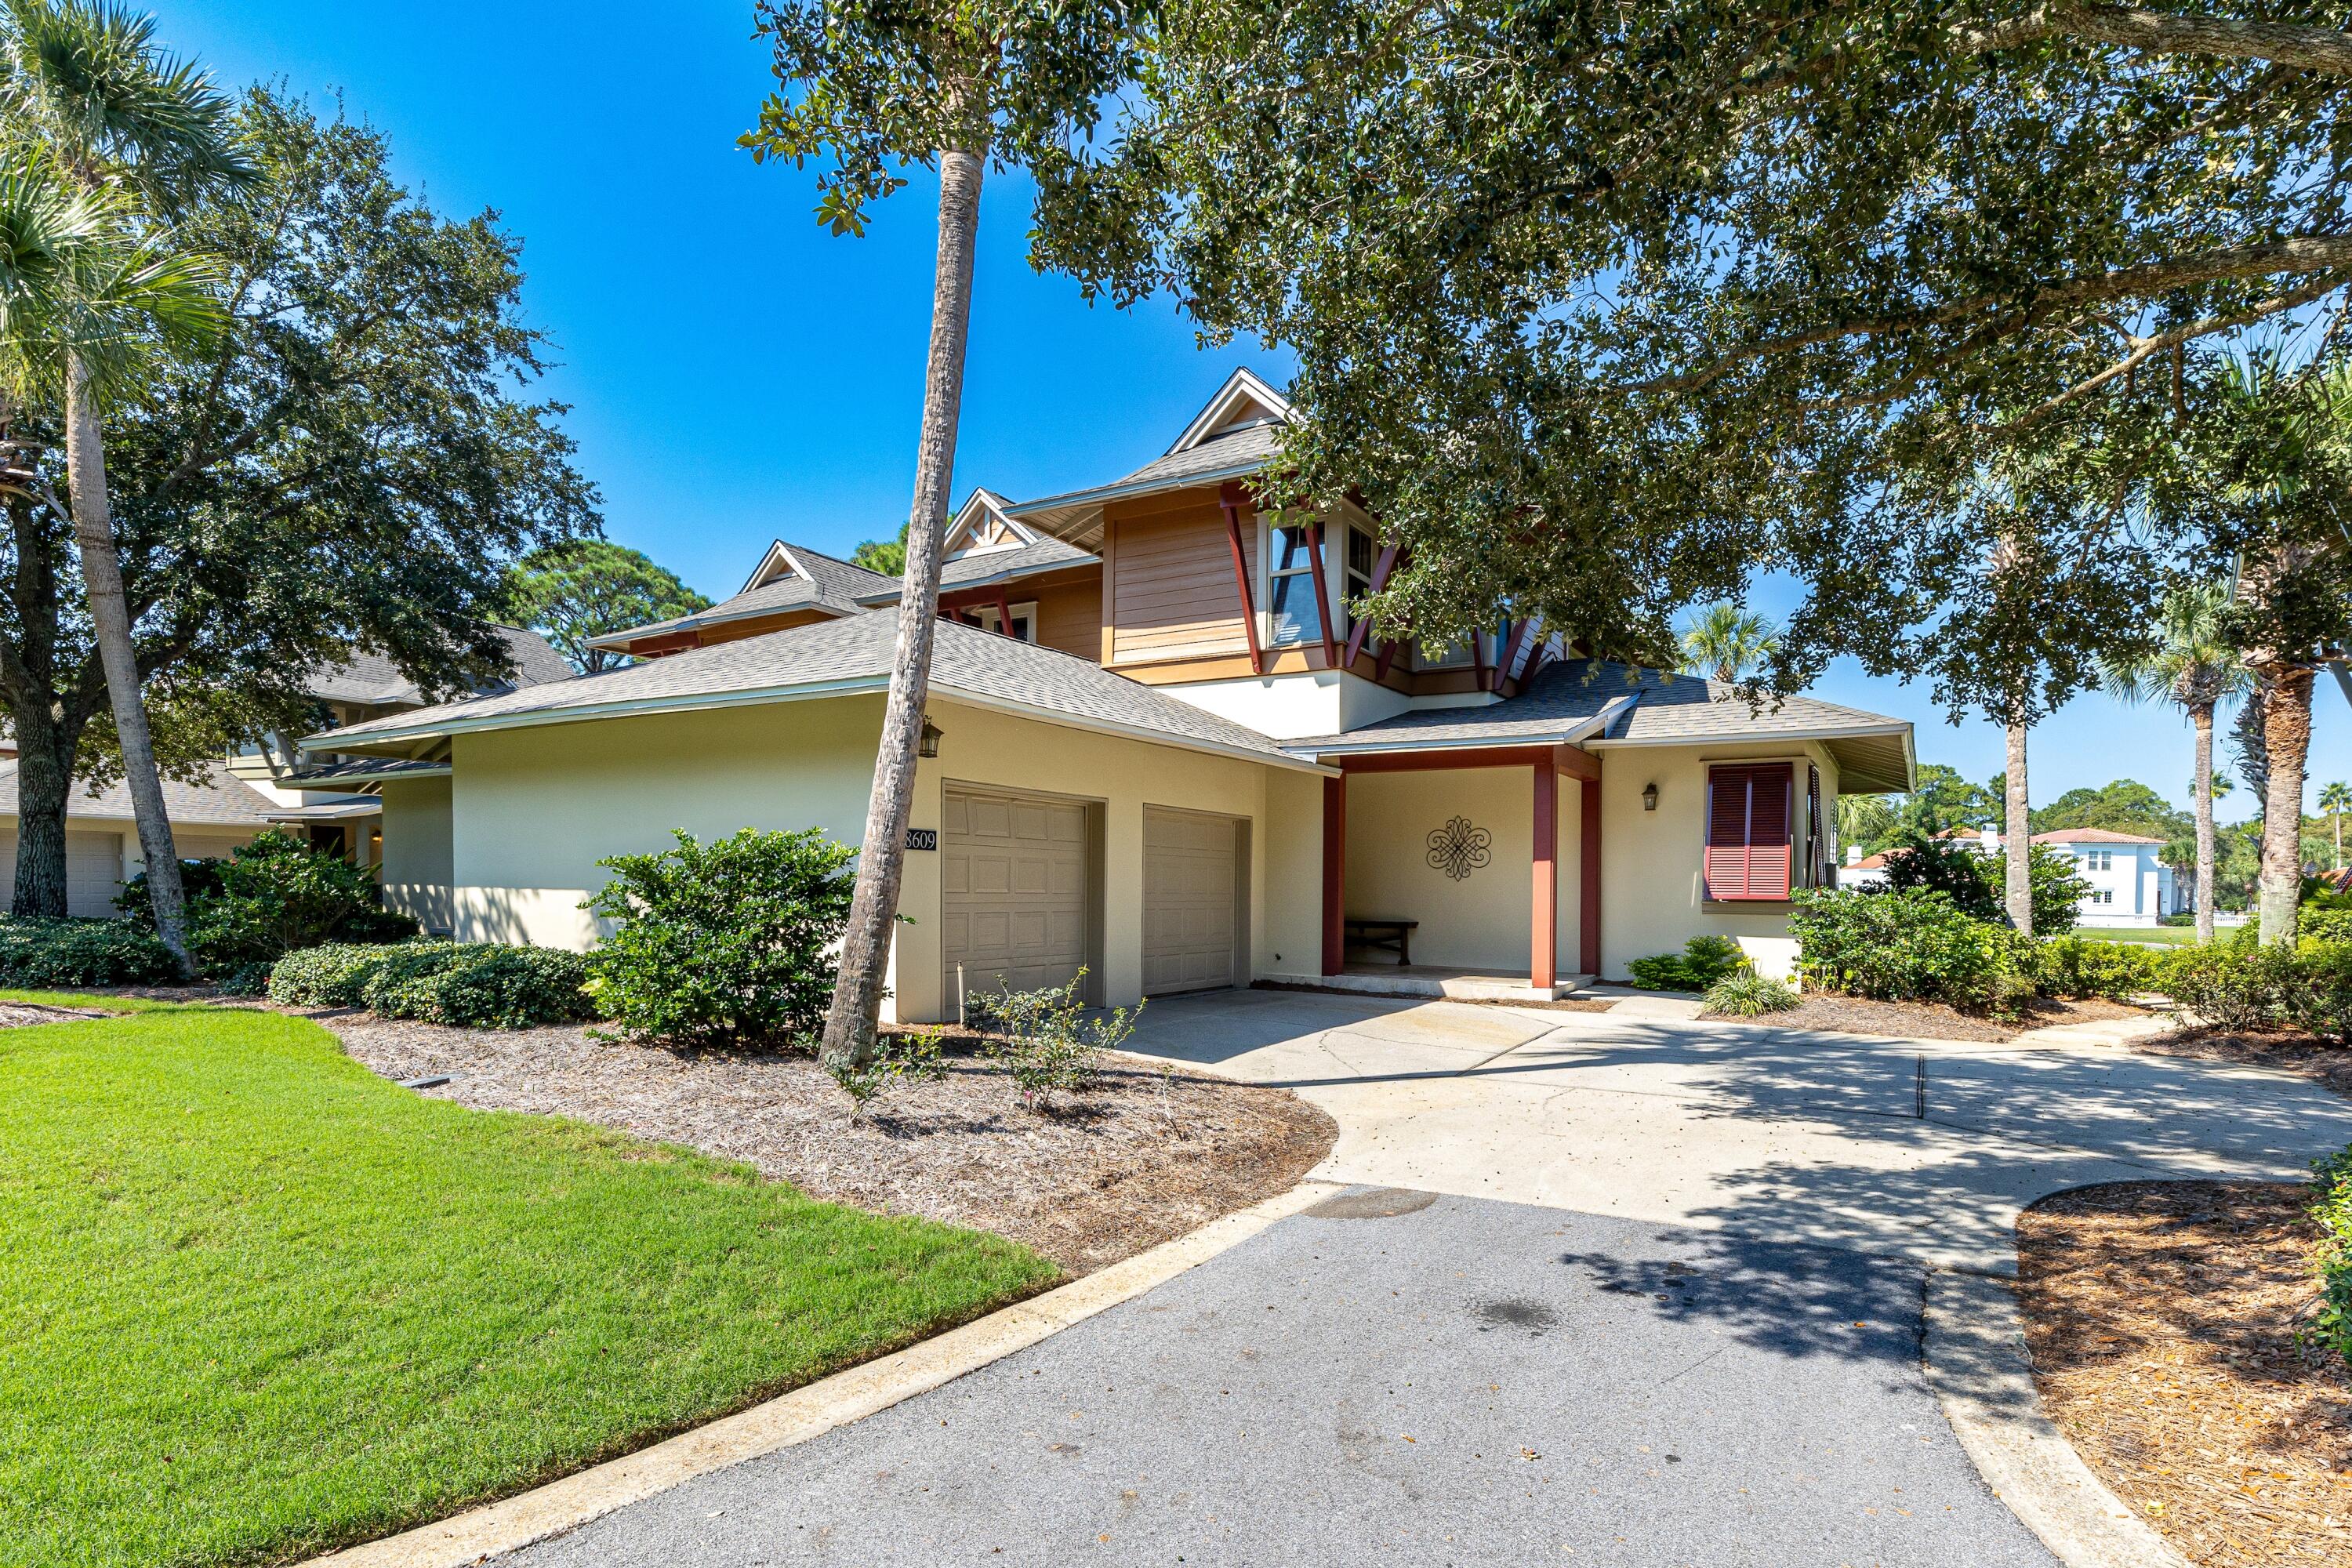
(260, 1303)
(2162, 936)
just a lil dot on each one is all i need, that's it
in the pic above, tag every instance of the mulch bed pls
(1932, 1020)
(2162, 1319)
(1141, 1158)
(2302, 1054)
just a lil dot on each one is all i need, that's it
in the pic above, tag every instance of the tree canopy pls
(582, 589)
(346, 465)
(1603, 308)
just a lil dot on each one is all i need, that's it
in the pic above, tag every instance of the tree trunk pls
(2285, 695)
(101, 573)
(2019, 883)
(2202, 717)
(849, 1028)
(44, 779)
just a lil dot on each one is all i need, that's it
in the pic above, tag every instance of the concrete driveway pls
(1610, 1292)
(1917, 1149)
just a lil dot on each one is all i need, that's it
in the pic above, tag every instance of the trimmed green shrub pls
(1703, 961)
(41, 954)
(481, 985)
(1045, 1040)
(2333, 1210)
(2235, 982)
(2324, 1005)
(1747, 995)
(333, 975)
(727, 943)
(1974, 881)
(1906, 944)
(271, 897)
(2323, 925)
(2079, 966)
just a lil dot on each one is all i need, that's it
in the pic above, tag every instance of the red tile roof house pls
(1166, 751)
(2130, 886)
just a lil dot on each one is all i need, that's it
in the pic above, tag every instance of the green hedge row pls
(38, 953)
(472, 984)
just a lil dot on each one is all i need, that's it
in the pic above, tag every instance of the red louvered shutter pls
(1748, 850)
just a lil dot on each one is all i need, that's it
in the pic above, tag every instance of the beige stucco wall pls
(1290, 933)
(1652, 894)
(533, 809)
(1484, 921)
(417, 867)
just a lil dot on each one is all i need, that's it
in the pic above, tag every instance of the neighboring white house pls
(2130, 886)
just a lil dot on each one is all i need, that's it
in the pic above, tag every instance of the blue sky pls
(737, 374)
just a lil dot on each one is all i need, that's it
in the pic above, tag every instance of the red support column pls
(1588, 923)
(1335, 874)
(1544, 960)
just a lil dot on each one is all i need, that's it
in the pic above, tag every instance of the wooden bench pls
(1394, 935)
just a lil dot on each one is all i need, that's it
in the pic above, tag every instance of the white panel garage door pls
(1013, 890)
(1188, 902)
(93, 872)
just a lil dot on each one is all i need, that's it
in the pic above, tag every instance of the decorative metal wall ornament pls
(1457, 848)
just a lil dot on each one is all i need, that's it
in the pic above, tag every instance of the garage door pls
(1013, 890)
(1188, 902)
(93, 872)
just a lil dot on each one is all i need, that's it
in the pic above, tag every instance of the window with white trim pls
(1290, 603)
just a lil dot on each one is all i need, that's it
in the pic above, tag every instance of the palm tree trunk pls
(2018, 888)
(2202, 717)
(2285, 692)
(109, 613)
(850, 1026)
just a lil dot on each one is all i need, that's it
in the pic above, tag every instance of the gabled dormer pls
(982, 527)
(792, 585)
(1244, 402)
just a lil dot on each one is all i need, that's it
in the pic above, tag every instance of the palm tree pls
(1727, 644)
(83, 84)
(2334, 801)
(2194, 666)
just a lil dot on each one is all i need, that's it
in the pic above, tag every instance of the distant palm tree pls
(2334, 801)
(2195, 667)
(1726, 643)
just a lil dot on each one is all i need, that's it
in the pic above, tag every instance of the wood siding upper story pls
(1168, 582)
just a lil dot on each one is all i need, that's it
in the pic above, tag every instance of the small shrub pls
(2183, 919)
(1905, 944)
(2077, 966)
(1975, 883)
(41, 954)
(2331, 926)
(273, 896)
(1747, 995)
(1045, 1040)
(2323, 1006)
(1703, 961)
(2332, 1323)
(900, 1061)
(2237, 984)
(333, 975)
(481, 985)
(725, 943)
(246, 980)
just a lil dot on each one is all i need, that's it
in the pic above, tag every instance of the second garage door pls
(1013, 890)
(1188, 902)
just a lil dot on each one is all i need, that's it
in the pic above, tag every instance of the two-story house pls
(1160, 747)
(2131, 884)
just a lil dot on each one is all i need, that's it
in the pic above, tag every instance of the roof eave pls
(873, 600)
(619, 642)
(1061, 515)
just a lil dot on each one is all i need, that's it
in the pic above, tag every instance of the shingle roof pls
(993, 565)
(220, 799)
(1641, 707)
(1077, 515)
(852, 653)
(822, 582)
(374, 678)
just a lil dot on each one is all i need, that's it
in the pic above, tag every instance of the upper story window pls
(2098, 860)
(1356, 581)
(1024, 620)
(1291, 589)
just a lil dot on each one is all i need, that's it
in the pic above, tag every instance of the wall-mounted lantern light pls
(1649, 797)
(929, 746)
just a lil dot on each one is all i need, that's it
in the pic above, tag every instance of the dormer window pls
(1357, 582)
(1290, 598)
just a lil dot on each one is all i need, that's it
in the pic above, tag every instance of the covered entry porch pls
(1461, 870)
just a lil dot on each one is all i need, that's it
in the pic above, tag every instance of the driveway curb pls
(811, 1411)
(1983, 1378)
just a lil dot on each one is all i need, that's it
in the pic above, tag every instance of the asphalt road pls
(1415, 1379)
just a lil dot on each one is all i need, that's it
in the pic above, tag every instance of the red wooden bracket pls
(1322, 596)
(1230, 498)
(1510, 650)
(1003, 611)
